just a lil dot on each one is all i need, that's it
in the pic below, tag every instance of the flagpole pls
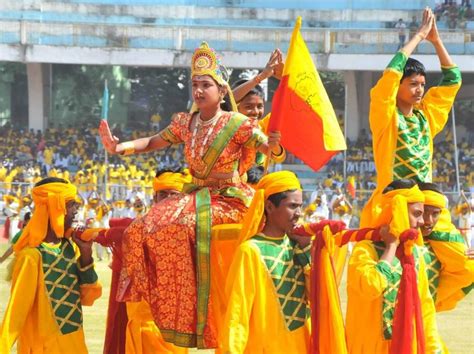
(346, 109)
(105, 115)
(455, 142)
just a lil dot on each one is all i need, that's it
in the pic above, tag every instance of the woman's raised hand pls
(274, 139)
(109, 141)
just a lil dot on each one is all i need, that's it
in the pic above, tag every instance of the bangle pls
(128, 148)
(259, 78)
(280, 153)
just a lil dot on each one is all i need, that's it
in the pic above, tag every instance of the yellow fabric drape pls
(328, 321)
(365, 287)
(457, 271)
(223, 246)
(170, 180)
(255, 312)
(29, 316)
(395, 210)
(434, 199)
(272, 183)
(50, 208)
(142, 335)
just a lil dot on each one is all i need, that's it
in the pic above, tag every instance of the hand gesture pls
(109, 141)
(433, 35)
(274, 65)
(426, 24)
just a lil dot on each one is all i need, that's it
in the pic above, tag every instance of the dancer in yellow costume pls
(374, 275)
(267, 307)
(166, 253)
(50, 283)
(402, 121)
(450, 272)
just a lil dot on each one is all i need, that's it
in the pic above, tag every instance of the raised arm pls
(443, 55)
(274, 68)
(112, 145)
(423, 32)
(439, 99)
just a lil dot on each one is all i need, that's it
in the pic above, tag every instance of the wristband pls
(128, 148)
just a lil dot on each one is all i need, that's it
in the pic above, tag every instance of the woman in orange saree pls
(166, 252)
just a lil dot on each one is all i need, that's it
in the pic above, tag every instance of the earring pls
(222, 101)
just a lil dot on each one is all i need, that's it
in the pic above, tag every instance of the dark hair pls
(159, 172)
(403, 183)
(413, 66)
(426, 186)
(254, 174)
(51, 180)
(257, 90)
(278, 197)
(27, 217)
(226, 106)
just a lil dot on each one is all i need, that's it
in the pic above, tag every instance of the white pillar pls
(352, 106)
(365, 81)
(39, 88)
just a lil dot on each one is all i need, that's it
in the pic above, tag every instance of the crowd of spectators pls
(76, 154)
(454, 13)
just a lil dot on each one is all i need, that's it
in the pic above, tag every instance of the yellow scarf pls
(434, 199)
(50, 208)
(170, 180)
(395, 210)
(272, 183)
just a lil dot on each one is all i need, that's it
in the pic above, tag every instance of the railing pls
(282, 4)
(246, 39)
(122, 192)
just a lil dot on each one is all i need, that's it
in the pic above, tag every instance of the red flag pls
(301, 109)
(351, 186)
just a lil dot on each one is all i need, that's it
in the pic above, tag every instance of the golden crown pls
(206, 61)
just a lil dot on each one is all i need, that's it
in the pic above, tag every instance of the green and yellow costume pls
(403, 146)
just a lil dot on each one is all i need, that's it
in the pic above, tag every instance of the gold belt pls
(215, 182)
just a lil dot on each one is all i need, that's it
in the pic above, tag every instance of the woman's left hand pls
(274, 142)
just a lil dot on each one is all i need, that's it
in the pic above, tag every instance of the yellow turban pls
(434, 199)
(270, 184)
(170, 180)
(395, 208)
(50, 208)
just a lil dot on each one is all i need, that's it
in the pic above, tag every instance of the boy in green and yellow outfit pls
(402, 121)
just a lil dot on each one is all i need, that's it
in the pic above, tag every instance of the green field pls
(456, 327)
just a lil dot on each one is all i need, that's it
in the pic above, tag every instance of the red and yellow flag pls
(351, 186)
(302, 111)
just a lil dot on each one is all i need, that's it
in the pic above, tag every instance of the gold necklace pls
(199, 122)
